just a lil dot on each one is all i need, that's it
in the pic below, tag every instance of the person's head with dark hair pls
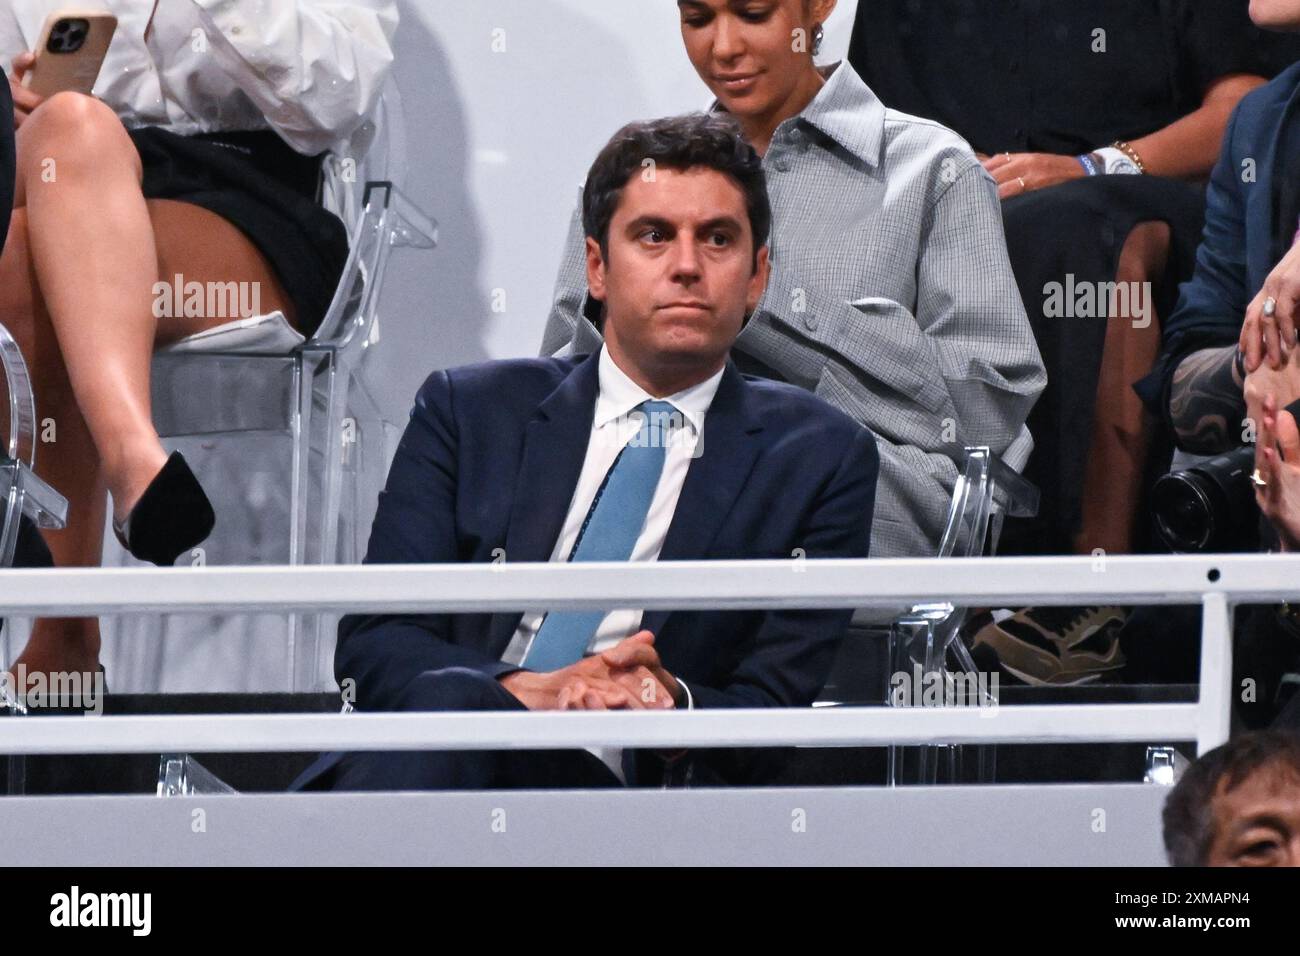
(704, 140)
(677, 217)
(756, 56)
(1239, 805)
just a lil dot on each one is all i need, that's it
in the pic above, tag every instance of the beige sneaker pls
(1056, 645)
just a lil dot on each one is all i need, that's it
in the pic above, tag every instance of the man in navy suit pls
(1229, 372)
(653, 448)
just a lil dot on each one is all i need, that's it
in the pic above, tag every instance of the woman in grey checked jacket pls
(891, 295)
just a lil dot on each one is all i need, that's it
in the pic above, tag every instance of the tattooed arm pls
(1206, 401)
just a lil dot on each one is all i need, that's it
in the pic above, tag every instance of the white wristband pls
(1115, 162)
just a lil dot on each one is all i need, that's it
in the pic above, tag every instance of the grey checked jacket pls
(891, 297)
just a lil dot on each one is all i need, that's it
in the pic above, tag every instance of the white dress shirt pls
(611, 428)
(309, 69)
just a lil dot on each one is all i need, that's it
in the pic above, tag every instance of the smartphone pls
(70, 52)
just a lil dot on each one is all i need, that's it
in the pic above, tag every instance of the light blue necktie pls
(609, 533)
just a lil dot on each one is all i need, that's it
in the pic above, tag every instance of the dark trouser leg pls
(462, 689)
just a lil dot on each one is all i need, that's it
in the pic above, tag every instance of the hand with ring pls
(1019, 173)
(1277, 473)
(1282, 384)
(1269, 331)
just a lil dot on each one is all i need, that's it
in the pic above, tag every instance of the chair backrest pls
(987, 489)
(376, 152)
(362, 189)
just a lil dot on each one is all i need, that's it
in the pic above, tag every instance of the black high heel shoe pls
(172, 516)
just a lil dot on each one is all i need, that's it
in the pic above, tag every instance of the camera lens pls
(1184, 512)
(68, 36)
(1210, 507)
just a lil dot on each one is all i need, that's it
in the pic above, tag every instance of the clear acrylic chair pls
(180, 775)
(925, 647)
(257, 378)
(22, 494)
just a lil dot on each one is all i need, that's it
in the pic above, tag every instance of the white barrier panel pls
(677, 585)
(822, 727)
(842, 826)
(1214, 581)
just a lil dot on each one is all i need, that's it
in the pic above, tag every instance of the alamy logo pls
(134, 910)
(944, 689)
(654, 430)
(206, 300)
(1098, 300)
(77, 690)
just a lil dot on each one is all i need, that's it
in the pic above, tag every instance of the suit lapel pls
(1278, 185)
(555, 446)
(715, 479)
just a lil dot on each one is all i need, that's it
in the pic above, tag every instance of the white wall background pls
(498, 144)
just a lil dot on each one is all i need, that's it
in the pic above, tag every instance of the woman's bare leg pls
(200, 246)
(1120, 435)
(92, 251)
(193, 243)
(84, 232)
(68, 462)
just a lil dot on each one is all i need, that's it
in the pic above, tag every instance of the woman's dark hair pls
(710, 140)
(1189, 813)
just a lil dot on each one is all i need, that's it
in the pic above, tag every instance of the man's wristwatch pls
(682, 697)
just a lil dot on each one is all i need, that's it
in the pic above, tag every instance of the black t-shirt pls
(1058, 76)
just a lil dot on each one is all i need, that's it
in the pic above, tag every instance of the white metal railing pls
(1216, 582)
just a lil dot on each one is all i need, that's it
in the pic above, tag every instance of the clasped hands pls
(1271, 360)
(628, 676)
(1268, 335)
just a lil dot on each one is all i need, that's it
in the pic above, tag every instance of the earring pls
(818, 34)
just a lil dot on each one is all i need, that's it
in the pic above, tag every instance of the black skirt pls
(256, 182)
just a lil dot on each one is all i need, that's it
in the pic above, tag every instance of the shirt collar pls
(618, 395)
(847, 111)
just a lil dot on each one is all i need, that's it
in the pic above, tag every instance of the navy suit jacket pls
(490, 460)
(1245, 233)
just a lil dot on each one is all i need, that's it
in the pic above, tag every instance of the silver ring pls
(1023, 187)
(1270, 307)
(1008, 156)
(1256, 480)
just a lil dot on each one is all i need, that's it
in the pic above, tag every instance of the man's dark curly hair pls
(711, 140)
(1189, 811)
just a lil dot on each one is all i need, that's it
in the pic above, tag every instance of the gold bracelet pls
(1131, 153)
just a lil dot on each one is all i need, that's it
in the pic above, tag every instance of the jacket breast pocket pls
(880, 338)
(877, 337)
